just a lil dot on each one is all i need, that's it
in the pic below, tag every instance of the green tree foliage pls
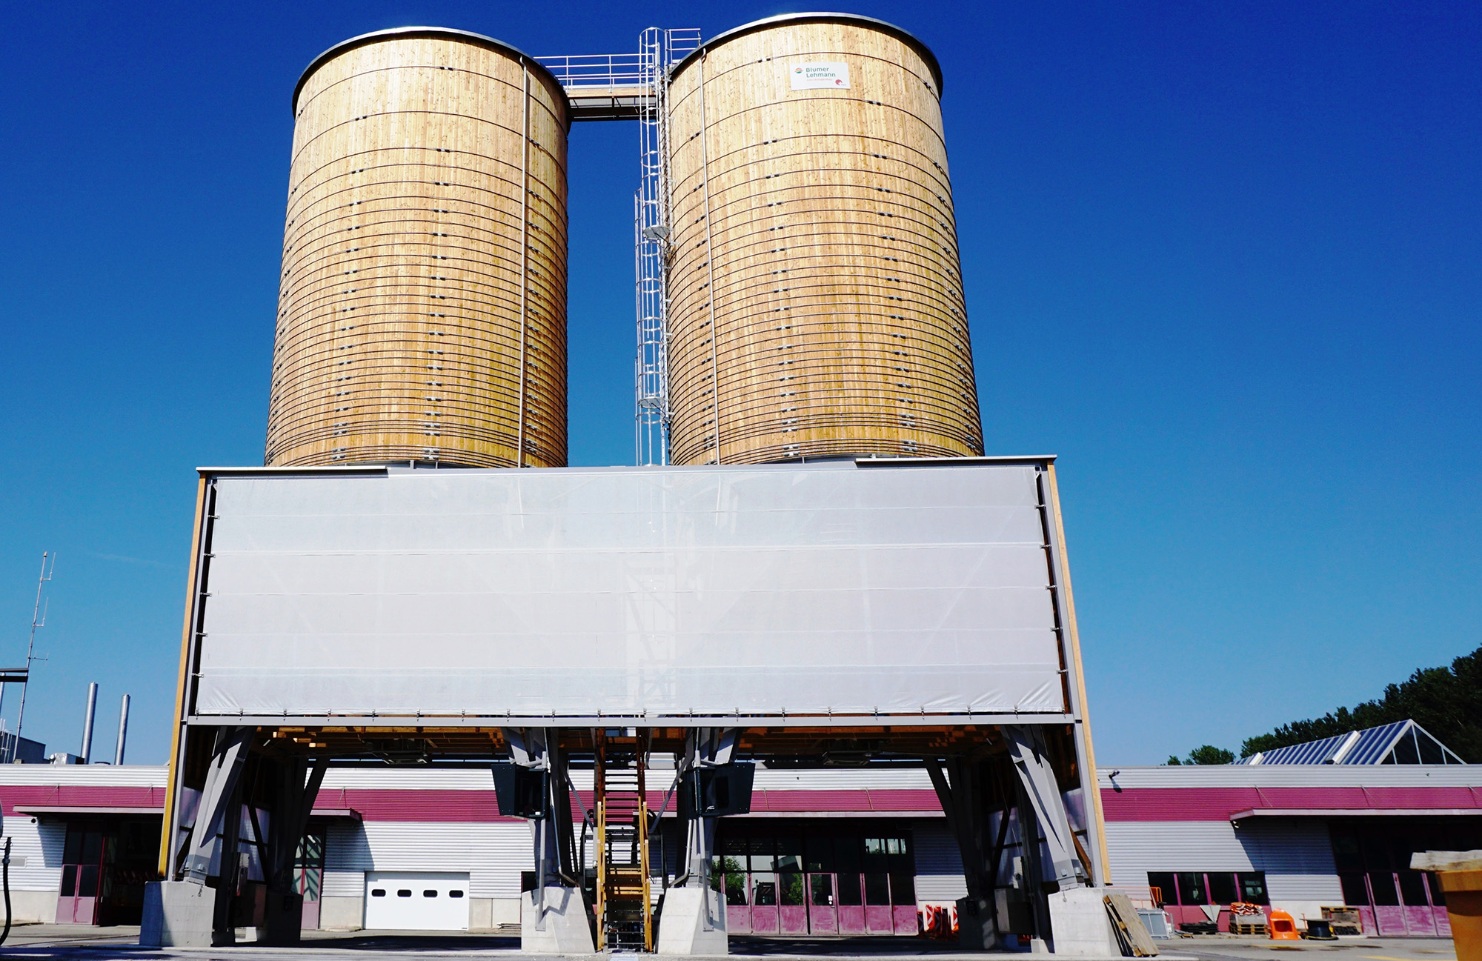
(1205, 754)
(1209, 754)
(1445, 701)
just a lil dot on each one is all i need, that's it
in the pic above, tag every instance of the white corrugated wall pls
(492, 854)
(35, 853)
(1295, 854)
(938, 864)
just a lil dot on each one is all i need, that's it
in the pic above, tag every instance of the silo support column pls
(1072, 918)
(193, 909)
(692, 915)
(554, 917)
(963, 801)
(298, 783)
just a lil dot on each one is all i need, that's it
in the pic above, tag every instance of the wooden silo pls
(815, 289)
(422, 306)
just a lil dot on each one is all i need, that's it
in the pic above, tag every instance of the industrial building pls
(822, 852)
(433, 677)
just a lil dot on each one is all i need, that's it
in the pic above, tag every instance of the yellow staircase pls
(624, 918)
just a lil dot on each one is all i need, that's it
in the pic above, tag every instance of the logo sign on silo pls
(816, 76)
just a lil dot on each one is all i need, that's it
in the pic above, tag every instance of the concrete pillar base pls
(976, 928)
(178, 914)
(563, 927)
(683, 918)
(1079, 924)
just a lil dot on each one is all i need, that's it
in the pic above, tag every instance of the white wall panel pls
(651, 592)
(939, 877)
(493, 855)
(1295, 854)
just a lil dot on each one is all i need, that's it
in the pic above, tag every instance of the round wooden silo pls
(815, 288)
(422, 305)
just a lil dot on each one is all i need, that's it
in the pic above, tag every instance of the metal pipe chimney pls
(87, 725)
(123, 730)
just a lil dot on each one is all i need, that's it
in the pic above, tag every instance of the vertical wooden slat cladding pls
(816, 304)
(422, 309)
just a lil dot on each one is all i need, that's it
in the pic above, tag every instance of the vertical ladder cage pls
(658, 50)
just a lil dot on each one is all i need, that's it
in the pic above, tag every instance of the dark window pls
(903, 888)
(404, 893)
(1346, 853)
(87, 881)
(378, 892)
(1191, 888)
(736, 888)
(763, 893)
(790, 885)
(1412, 889)
(1222, 888)
(429, 893)
(1167, 887)
(1430, 751)
(847, 853)
(820, 854)
(92, 847)
(1382, 886)
(877, 888)
(1355, 891)
(789, 853)
(455, 894)
(72, 848)
(1405, 752)
(849, 891)
(821, 887)
(69, 880)
(1253, 887)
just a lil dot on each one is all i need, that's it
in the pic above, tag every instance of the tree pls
(1205, 754)
(1447, 702)
(1209, 754)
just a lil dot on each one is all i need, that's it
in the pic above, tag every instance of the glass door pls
(82, 872)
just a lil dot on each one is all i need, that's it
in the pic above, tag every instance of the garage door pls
(416, 901)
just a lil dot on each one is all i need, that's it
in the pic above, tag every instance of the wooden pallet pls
(1132, 934)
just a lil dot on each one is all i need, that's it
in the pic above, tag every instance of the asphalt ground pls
(52, 942)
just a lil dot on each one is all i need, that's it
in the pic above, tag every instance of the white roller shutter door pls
(416, 901)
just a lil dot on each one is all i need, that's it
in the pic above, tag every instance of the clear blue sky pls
(1225, 259)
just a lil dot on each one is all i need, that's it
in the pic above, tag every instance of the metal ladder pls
(624, 918)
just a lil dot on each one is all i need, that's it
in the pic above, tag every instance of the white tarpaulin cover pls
(644, 591)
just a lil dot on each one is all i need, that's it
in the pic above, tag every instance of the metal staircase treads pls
(624, 921)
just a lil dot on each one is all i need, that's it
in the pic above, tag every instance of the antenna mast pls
(38, 620)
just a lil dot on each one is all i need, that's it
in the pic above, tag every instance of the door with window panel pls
(1373, 860)
(816, 880)
(84, 854)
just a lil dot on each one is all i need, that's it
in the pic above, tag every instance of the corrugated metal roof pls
(1292, 775)
(1399, 742)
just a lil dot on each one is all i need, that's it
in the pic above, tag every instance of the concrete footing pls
(1080, 926)
(692, 921)
(558, 923)
(177, 914)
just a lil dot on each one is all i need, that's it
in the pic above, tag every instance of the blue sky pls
(1224, 259)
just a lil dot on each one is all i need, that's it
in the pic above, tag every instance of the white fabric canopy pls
(758, 591)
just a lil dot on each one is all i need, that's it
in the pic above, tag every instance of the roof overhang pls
(1351, 812)
(344, 814)
(75, 811)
